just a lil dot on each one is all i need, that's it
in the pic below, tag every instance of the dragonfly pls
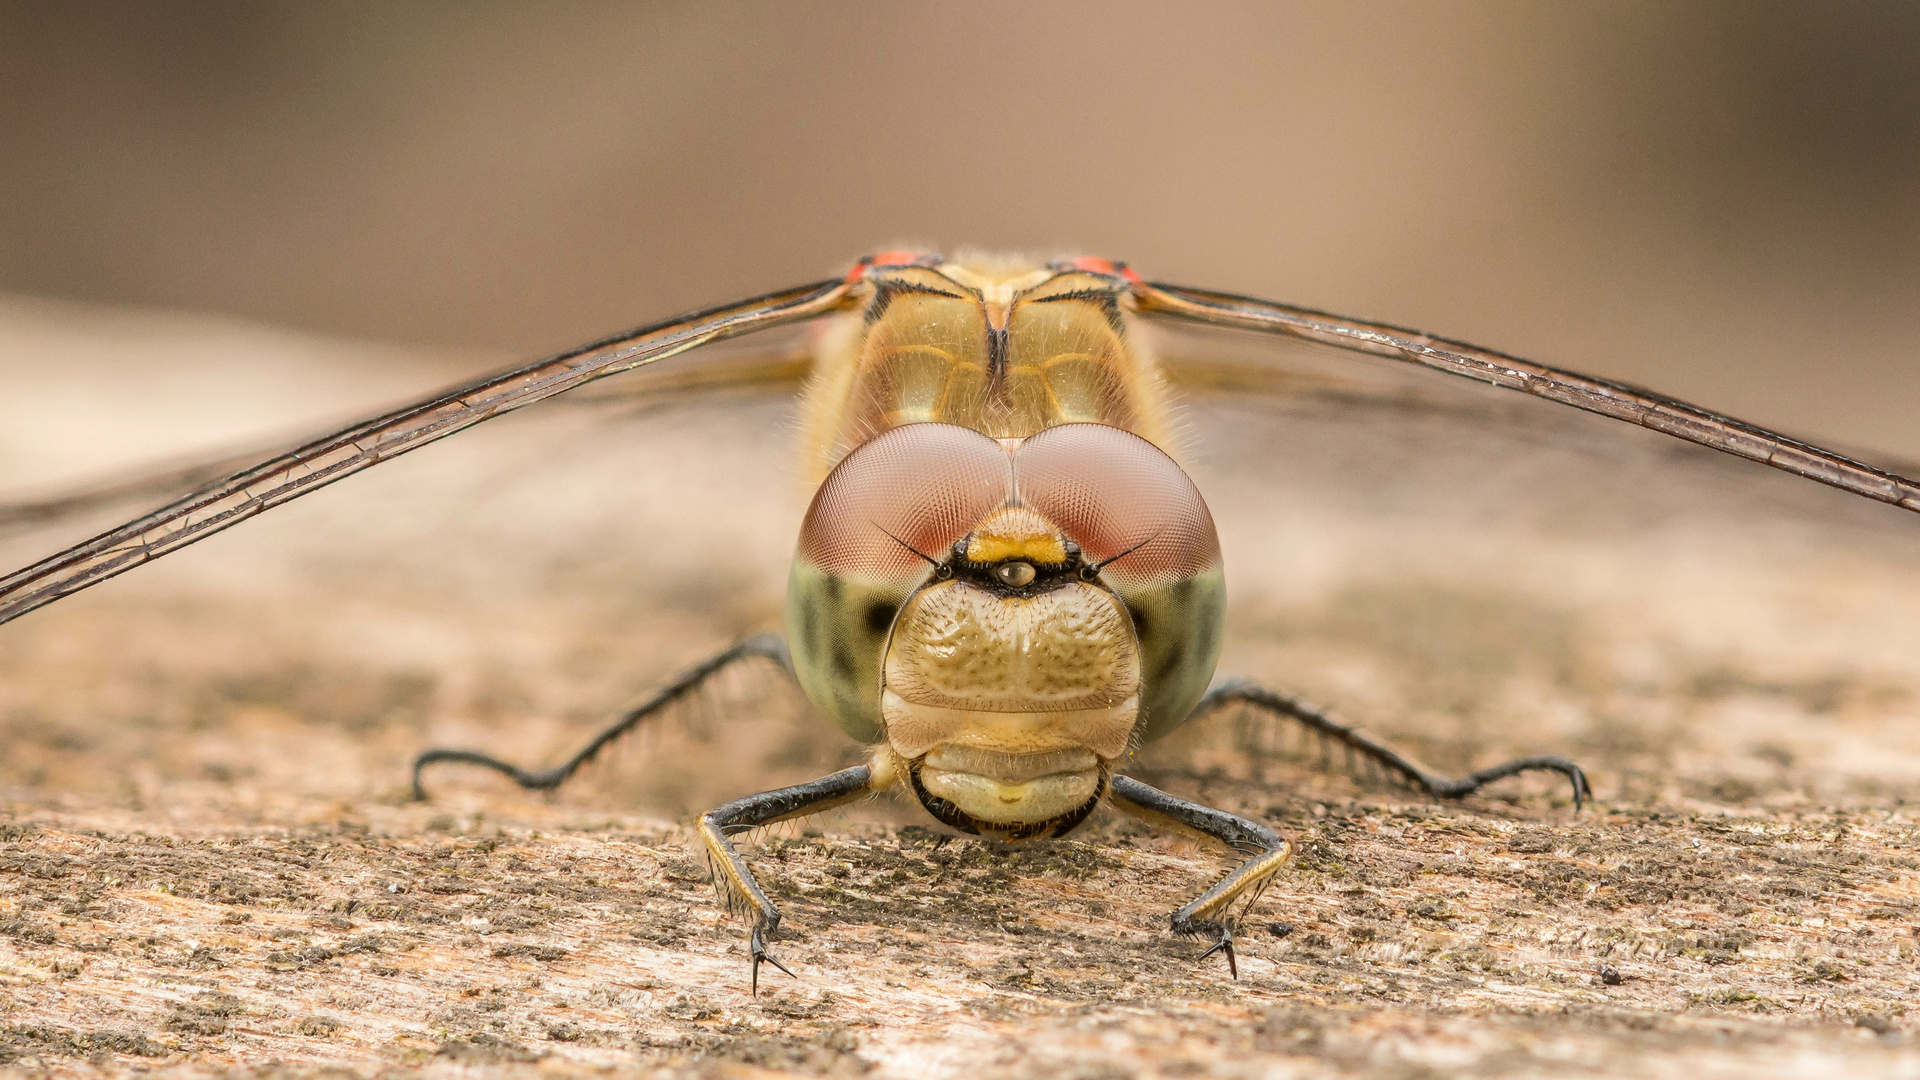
(1006, 583)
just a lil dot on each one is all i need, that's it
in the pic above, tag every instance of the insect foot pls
(757, 945)
(1223, 942)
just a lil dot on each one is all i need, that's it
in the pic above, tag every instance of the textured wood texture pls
(208, 861)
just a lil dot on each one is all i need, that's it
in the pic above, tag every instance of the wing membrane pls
(1617, 400)
(151, 483)
(366, 443)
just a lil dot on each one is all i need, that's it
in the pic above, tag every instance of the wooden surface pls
(208, 861)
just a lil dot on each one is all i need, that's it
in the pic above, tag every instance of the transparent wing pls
(161, 481)
(358, 446)
(1616, 400)
(766, 367)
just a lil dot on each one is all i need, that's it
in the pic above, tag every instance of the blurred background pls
(1721, 200)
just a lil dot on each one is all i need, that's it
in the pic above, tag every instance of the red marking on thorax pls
(1093, 264)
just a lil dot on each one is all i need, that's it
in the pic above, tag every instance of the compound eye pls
(1131, 509)
(1016, 574)
(902, 499)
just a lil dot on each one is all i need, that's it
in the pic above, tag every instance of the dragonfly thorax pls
(1006, 347)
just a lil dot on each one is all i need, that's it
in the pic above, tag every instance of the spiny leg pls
(1211, 911)
(769, 646)
(1359, 745)
(738, 889)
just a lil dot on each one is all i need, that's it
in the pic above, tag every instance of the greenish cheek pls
(837, 630)
(1180, 625)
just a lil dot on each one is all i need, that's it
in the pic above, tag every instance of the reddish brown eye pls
(1121, 498)
(922, 487)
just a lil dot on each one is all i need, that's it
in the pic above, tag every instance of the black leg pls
(1210, 913)
(731, 875)
(769, 646)
(1359, 745)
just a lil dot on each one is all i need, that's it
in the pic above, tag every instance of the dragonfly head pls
(1006, 619)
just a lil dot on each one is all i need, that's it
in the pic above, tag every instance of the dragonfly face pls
(1006, 618)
